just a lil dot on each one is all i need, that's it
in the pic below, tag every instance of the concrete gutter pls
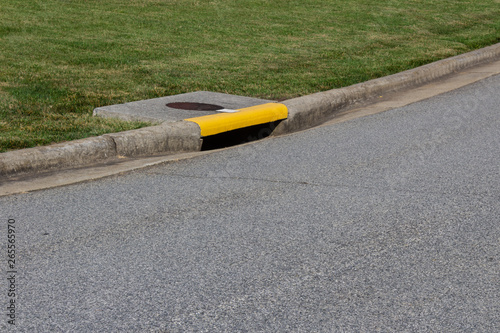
(185, 136)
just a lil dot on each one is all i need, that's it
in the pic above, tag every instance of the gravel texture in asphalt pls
(386, 223)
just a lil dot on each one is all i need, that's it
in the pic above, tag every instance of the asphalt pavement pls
(386, 223)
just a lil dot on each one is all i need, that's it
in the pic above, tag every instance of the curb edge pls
(186, 136)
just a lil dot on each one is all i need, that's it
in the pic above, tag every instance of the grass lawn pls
(59, 59)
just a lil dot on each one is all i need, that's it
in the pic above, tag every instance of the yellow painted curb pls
(246, 117)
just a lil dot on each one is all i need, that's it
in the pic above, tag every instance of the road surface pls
(388, 223)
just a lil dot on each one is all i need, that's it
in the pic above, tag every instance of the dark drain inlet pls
(238, 136)
(194, 106)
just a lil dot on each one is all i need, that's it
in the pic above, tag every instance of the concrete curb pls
(312, 110)
(57, 156)
(175, 137)
(185, 136)
(181, 136)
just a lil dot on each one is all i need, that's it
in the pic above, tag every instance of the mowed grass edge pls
(61, 59)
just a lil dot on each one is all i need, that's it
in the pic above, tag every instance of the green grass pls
(59, 59)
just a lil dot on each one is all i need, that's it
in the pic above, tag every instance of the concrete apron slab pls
(156, 110)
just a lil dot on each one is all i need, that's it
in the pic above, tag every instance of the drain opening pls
(238, 136)
(195, 106)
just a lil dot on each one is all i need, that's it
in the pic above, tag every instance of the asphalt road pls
(386, 223)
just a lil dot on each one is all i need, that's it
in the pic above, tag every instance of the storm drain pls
(238, 136)
(179, 107)
(230, 138)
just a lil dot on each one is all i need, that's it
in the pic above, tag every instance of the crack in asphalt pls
(393, 189)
